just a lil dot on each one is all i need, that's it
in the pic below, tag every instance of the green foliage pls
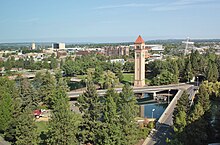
(128, 66)
(90, 106)
(8, 93)
(45, 83)
(6, 109)
(203, 98)
(109, 80)
(25, 129)
(164, 78)
(64, 123)
(180, 113)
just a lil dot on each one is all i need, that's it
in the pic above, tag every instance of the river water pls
(158, 108)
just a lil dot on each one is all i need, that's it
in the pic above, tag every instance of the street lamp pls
(153, 113)
(197, 81)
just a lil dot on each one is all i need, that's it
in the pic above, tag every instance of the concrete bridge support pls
(154, 95)
(141, 107)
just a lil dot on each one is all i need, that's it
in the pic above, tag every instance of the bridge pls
(138, 90)
(163, 125)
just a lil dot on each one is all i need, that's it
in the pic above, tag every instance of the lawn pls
(128, 78)
(42, 126)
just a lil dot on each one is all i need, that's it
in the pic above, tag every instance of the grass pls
(128, 78)
(41, 126)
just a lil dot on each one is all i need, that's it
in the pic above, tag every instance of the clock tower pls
(139, 80)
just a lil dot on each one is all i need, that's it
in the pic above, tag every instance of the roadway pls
(146, 89)
(164, 126)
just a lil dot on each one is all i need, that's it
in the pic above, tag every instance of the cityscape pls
(128, 72)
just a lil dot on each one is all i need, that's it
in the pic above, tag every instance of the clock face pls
(138, 55)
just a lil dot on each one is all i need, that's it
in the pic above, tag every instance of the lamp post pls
(153, 113)
(197, 82)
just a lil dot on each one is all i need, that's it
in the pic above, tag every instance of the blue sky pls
(107, 20)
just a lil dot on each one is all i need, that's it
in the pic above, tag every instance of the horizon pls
(108, 21)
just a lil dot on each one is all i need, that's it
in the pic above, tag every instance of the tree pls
(45, 83)
(90, 106)
(27, 93)
(128, 110)
(203, 98)
(196, 113)
(25, 128)
(180, 112)
(64, 123)
(6, 109)
(164, 78)
(111, 130)
(8, 94)
(128, 66)
(109, 80)
(180, 121)
(188, 72)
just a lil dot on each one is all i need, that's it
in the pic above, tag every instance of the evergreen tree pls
(180, 121)
(128, 110)
(215, 72)
(180, 112)
(196, 113)
(45, 83)
(90, 106)
(63, 124)
(8, 94)
(188, 72)
(6, 109)
(25, 132)
(210, 73)
(203, 98)
(111, 131)
(27, 93)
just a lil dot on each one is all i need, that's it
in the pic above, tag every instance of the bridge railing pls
(169, 110)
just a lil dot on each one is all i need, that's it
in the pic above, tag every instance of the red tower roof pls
(139, 40)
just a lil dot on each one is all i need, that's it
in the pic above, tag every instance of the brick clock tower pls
(139, 80)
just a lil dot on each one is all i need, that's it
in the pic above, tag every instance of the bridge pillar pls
(154, 95)
(141, 107)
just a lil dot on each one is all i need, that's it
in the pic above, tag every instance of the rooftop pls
(139, 40)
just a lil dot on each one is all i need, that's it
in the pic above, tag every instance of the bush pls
(151, 125)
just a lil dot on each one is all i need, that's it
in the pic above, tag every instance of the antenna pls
(187, 42)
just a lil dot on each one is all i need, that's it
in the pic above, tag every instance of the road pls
(164, 125)
(147, 89)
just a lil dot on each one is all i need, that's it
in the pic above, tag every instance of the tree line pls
(103, 120)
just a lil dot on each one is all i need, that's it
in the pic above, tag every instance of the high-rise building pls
(33, 46)
(58, 46)
(139, 62)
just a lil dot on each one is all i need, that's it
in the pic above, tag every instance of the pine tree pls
(6, 109)
(215, 72)
(27, 93)
(180, 112)
(90, 106)
(8, 93)
(25, 131)
(128, 110)
(45, 83)
(188, 72)
(203, 98)
(180, 121)
(63, 124)
(111, 132)
(196, 113)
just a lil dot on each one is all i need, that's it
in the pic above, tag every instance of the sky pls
(107, 20)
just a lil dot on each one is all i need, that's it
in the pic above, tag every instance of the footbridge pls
(138, 90)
